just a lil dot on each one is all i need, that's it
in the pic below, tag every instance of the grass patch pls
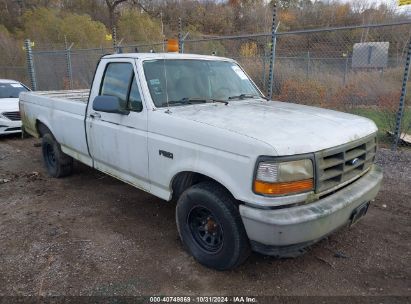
(384, 121)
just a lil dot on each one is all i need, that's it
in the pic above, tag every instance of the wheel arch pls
(42, 128)
(185, 179)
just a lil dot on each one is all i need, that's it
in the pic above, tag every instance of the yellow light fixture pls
(283, 187)
(172, 45)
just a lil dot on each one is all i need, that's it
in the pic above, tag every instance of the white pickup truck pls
(246, 173)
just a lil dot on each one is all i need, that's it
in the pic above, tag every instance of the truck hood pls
(289, 128)
(9, 104)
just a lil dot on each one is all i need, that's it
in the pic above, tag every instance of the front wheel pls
(57, 163)
(210, 226)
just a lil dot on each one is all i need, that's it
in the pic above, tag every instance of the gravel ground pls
(90, 234)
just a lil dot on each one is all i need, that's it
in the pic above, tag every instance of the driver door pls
(118, 142)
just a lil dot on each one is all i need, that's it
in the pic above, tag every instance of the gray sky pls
(391, 3)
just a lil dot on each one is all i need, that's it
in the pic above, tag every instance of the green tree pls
(83, 31)
(94, 8)
(10, 49)
(135, 26)
(49, 26)
(42, 25)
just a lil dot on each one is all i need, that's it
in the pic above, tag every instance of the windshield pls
(182, 81)
(11, 90)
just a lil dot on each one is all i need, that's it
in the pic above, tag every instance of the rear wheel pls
(210, 226)
(57, 163)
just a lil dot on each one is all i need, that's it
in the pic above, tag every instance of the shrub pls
(348, 97)
(308, 92)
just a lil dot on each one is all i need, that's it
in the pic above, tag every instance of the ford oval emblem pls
(355, 161)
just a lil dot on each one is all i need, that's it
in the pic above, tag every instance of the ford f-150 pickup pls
(246, 173)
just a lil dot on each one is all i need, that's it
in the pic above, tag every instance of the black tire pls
(57, 163)
(210, 226)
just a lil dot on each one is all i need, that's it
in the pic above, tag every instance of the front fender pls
(232, 171)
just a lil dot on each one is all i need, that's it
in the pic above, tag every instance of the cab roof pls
(149, 56)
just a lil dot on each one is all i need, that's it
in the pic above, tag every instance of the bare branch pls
(113, 4)
(151, 13)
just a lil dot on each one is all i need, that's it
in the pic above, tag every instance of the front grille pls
(12, 115)
(336, 166)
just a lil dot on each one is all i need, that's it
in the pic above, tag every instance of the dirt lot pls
(90, 234)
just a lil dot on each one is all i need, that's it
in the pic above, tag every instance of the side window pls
(116, 81)
(134, 99)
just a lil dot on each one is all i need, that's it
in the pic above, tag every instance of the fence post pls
(264, 67)
(114, 34)
(68, 63)
(30, 64)
(346, 69)
(400, 113)
(180, 36)
(272, 54)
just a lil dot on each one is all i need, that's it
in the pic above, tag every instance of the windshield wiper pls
(187, 100)
(219, 100)
(193, 100)
(246, 96)
(242, 96)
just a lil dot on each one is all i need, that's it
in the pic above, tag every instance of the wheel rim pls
(205, 229)
(50, 155)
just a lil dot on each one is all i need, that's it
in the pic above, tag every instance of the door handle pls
(95, 115)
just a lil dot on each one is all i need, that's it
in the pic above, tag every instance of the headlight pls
(282, 178)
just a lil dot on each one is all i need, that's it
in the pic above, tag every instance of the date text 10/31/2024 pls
(202, 299)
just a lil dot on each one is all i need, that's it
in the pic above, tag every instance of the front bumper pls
(306, 224)
(9, 126)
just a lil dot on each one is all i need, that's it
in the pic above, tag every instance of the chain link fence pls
(74, 68)
(357, 69)
(14, 72)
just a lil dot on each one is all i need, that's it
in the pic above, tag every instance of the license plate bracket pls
(359, 212)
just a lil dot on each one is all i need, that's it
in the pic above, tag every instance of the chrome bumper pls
(307, 223)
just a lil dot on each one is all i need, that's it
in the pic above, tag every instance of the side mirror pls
(109, 104)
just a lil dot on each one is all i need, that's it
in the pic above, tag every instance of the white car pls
(10, 121)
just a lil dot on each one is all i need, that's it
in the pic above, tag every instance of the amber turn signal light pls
(284, 187)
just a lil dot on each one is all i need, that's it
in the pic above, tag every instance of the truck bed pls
(72, 95)
(73, 101)
(63, 112)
